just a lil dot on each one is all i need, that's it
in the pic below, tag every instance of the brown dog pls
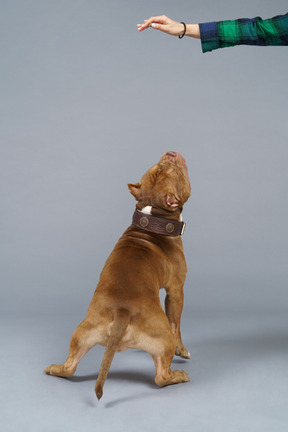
(125, 311)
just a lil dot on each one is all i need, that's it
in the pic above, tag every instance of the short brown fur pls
(125, 311)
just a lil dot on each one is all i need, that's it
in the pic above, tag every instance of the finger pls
(142, 27)
(162, 27)
(148, 23)
(158, 19)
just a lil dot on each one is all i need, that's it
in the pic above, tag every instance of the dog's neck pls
(145, 220)
(148, 210)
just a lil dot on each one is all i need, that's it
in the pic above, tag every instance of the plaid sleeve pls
(244, 31)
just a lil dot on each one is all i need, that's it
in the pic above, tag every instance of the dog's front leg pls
(173, 308)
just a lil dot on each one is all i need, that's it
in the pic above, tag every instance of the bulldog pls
(125, 311)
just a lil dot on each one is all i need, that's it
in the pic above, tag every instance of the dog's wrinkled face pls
(165, 186)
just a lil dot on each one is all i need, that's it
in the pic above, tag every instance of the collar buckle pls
(183, 228)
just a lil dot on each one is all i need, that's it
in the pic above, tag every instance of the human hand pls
(164, 24)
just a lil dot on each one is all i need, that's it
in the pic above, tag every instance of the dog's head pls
(165, 186)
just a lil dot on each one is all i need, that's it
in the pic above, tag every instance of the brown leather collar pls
(158, 225)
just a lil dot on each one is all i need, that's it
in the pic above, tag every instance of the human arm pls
(168, 26)
(221, 34)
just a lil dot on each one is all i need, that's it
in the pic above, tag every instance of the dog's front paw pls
(181, 351)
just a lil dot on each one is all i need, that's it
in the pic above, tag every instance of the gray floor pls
(238, 371)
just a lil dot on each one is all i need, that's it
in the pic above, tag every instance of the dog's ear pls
(135, 190)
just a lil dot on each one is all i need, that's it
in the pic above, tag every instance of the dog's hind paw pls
(182, 352)
(58, 370)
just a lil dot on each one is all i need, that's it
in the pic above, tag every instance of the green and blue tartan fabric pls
(244, 31)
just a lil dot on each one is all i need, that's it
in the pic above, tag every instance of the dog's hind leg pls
(164, 375)
(86, 335)
(157, 338)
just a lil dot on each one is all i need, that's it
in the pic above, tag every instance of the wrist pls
(184, 31)
(180, 29)
(193, 30)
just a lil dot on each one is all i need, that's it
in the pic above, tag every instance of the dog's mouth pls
(173, 201)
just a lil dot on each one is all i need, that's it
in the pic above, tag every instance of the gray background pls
(87, 105)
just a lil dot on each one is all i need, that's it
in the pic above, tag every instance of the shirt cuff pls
(209, 36)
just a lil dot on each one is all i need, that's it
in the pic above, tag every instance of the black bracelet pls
(181, 36)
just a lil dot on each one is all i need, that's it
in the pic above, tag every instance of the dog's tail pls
(118, 329)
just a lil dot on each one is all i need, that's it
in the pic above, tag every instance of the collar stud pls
(170, 228)
(144, 222)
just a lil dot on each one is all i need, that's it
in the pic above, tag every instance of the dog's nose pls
(171, 153)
